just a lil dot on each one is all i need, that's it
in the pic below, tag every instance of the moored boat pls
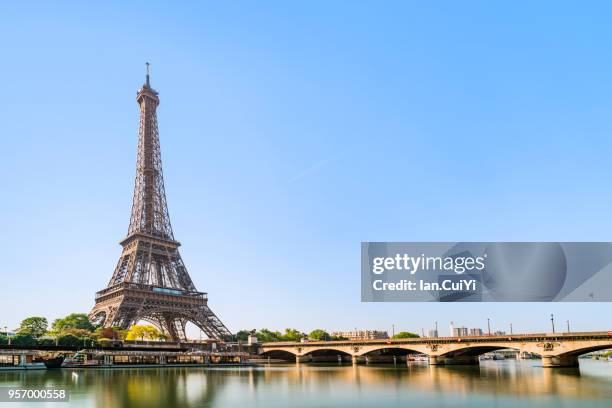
(55, 362)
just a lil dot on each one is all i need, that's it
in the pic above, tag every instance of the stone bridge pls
(555, 349)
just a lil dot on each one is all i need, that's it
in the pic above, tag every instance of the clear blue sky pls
(290, 133)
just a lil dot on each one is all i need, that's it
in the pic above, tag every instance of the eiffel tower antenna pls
(150, 281)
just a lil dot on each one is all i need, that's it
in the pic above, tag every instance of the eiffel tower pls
(150, 281)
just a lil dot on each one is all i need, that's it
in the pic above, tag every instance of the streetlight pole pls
(437, 330)
(511, 328)
(393, 330)
(568, 327)
(489, 325)
(552, 322)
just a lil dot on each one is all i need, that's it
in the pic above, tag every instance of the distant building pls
(362, 335)
(460, 331)
(499, 333)
(476, 332)
(432, 333)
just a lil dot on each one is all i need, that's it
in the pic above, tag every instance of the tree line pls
(266, 336)
(75, 330)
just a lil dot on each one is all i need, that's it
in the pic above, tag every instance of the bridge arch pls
(478, 350)
(585, 350)
(327, 350)
(279, 354)
(390, 349)
(322, 355)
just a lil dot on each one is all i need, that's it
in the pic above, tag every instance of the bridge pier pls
(358, 359)
(302, 359)
(385, 359)
(559, 361)
(338, 358)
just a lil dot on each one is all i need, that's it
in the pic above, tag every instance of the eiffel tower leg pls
(171, 328)
(210, 324)
(181, 323)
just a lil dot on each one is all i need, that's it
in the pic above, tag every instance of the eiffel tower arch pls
(150, 281)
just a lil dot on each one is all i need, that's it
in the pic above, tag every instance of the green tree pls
(266, 336)
(144, 332)
(35, 325)
(69, 340)
(80, 333)
(242, 335)
(72, 321)
(45, 341)
(292, 335)
(319, 334)
(23, 339)
(405, 335)
(3, 339)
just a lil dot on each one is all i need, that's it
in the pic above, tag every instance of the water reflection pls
(505, 383)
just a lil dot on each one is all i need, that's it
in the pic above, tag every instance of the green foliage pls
(319, 334)
(3, 339)
(46, 342)
(292, 335)
(23, 339)
(268, 336)
(265, 336)
(35, 325)
(72, 321)
(337, 338)
(80, 333)
(242, 335)
(405, 335)
(69, 340)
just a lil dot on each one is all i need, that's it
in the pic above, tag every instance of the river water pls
(508, 383)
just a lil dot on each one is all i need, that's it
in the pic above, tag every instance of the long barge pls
(25, 359)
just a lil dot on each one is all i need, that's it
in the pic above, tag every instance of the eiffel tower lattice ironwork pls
(150, 281)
